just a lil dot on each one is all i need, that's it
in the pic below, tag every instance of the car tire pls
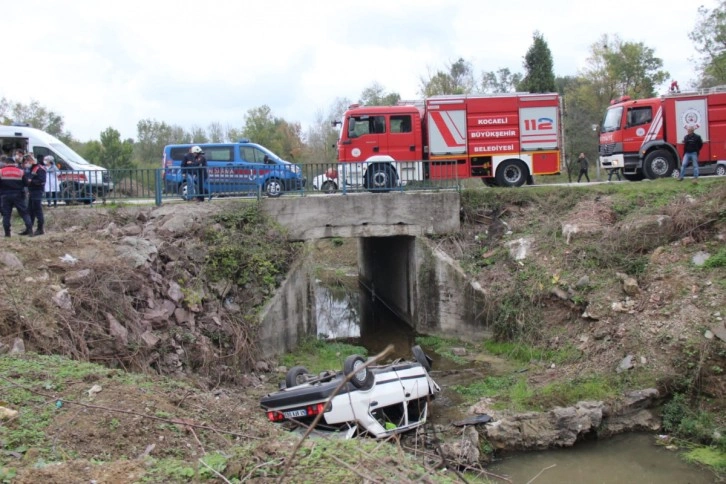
(421, 357)
(721, 170)
(273, 187)
(295, 376)
(361, 378)
(329, 187)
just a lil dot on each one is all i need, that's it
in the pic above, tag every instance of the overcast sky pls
(110, 64)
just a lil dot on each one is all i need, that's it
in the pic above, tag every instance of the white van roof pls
(27, 132)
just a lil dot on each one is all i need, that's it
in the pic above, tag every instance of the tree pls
(110, 152)
(322, 135)
(500, 81)
(153, 136)
(458, 80)
(35, 115)
(375, 95)
(275, 134)
(709, 35)
(539, 75)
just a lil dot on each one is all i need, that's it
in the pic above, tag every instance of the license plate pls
(295, 413)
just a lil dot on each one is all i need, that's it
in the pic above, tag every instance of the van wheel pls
(69, 193)
(362, 378)
(296, 376)
(273, 187)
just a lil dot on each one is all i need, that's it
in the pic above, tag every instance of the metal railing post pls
(157, 187)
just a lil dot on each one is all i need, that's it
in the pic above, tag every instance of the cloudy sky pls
(110, 64)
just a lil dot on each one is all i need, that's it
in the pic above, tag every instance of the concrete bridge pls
(366, 214)
(422, 286)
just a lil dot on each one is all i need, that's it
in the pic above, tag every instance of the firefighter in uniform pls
(13, 181)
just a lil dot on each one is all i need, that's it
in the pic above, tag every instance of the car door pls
(255, 167)
(220, 168)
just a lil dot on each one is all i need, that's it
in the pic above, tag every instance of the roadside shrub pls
(681, 420)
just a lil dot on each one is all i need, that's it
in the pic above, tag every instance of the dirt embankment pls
(609, 273)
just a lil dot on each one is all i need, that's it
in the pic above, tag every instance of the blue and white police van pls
(232, 169)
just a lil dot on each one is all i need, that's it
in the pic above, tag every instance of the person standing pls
(200, 162)
(189, 164)
(692, 144)
(36, 187)
(12, 193)
(51, 180)
(583, 167)
(615, 171)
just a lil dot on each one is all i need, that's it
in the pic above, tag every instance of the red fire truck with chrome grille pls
(644, 137)
(502, 139)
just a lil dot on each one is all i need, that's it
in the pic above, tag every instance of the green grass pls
(442, 347)
(524, 353)
(708, 456)
(318, 355)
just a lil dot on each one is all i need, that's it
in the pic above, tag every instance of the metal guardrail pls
(175, 183)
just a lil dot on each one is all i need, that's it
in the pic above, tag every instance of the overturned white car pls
(378, 400)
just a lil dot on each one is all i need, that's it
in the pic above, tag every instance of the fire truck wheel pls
(362, 378)
(295, 376)
(380, 178)
(658, 164)
(512, 173)
(329, 187)
(490, 182)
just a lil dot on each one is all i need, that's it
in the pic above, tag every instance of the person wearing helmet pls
(189, 171)
(200, 161)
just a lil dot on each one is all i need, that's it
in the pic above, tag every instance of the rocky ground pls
(614, 275)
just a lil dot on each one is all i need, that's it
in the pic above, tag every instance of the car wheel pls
(422, 358)
(297, 375)
(658, 164)
(273, 188)
(721, 170)
(512, 173)
(362, 378)
(329, 187)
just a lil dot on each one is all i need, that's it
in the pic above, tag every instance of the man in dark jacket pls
(12, 192)
(583, 167)
(36, 188)
(692, 144)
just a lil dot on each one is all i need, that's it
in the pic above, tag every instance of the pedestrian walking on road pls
(584, 164)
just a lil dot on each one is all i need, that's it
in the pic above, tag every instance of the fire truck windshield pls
(612, 120)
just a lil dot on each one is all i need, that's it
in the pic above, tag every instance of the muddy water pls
(629, 458)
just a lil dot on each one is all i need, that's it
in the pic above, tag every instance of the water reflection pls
(358, 318)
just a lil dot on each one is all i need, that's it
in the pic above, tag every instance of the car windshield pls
(612, 120)
(68, 154)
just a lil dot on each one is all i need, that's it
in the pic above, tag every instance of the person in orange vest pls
(13, 181)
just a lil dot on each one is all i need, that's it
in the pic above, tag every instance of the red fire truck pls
(502, 139)
(644, 137)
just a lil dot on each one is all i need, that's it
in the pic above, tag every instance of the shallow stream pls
(353, 316)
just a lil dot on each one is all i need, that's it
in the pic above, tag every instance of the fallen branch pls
(211, 469)
(540, 473)
(319, 416)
